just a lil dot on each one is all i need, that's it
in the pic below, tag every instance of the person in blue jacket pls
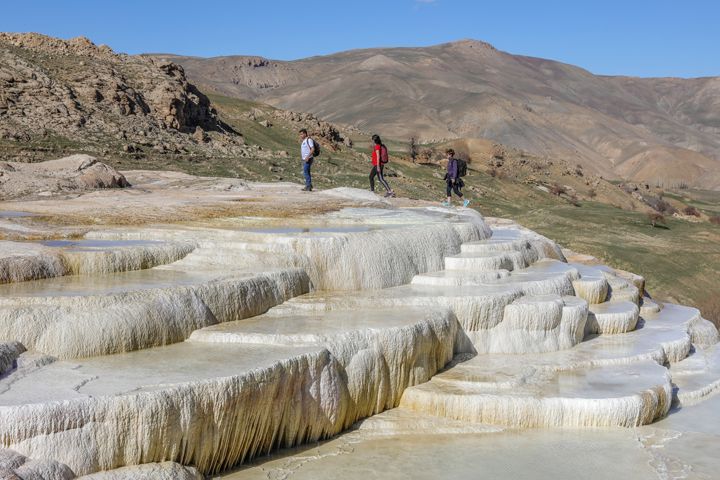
(453, 181)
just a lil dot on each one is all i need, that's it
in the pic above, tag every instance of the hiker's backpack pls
(316, 148)
(461, 167)
(384, 155)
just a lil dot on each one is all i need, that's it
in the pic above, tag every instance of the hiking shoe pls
(466, 203)
(389, 194)
(445, 204)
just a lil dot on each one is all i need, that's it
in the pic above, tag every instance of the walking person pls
(453, 181)
(307, 152)
(379, 158)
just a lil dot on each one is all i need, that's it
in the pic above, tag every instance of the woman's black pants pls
(381, 178)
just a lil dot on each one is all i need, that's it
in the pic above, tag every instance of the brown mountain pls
(664, 130)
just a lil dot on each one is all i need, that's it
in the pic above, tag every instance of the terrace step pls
(134, 310)
(592, 284)
(612, 317)
(223, 394)
(618, 396)
(698, 376)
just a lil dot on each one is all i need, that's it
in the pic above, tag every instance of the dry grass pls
(710, 308)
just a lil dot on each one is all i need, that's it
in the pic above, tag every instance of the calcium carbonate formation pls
(180, 350)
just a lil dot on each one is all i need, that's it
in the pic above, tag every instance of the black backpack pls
(316, 148)
(461, 167)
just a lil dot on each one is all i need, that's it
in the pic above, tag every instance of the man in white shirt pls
(307, 147)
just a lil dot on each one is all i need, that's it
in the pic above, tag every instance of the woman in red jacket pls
(379, 159)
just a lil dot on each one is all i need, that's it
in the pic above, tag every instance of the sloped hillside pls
(664, 131)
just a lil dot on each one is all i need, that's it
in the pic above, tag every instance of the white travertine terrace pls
(613, 317)
(31, 261)
(134, 310)
(171, 351)
(592, 284)
(630, 396)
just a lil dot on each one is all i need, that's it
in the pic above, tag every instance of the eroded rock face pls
(75, 91)
(75, 173)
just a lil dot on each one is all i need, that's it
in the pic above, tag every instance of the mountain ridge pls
(469, 89)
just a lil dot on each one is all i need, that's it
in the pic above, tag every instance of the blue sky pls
(632, 37)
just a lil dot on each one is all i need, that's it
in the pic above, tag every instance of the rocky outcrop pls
(316, 127)
(71, 174)
(76, 92)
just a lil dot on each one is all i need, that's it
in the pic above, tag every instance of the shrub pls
(626, 188)
(557, 189)
(660, 205)
(655, 218)
(592, 193)
(426, 154)
(715, 219)
(690, 210)
(573, 200)
(666, 208)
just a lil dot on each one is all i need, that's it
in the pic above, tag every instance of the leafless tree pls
(413, 149)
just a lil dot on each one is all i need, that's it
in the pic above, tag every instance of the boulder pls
(74, 173)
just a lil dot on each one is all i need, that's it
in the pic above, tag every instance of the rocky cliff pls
(74, 92)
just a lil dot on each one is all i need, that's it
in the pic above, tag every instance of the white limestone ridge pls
(179, 350)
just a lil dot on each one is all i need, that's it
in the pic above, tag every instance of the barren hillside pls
(655, 130)
(72, 92)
